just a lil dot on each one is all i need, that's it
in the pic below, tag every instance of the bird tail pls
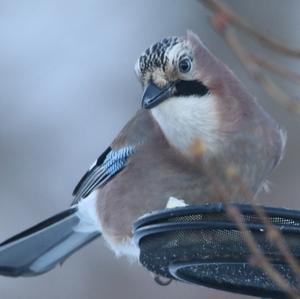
(45, 245)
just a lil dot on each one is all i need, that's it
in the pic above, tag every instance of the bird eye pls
(185, 65)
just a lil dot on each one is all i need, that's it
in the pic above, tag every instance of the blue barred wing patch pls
(105, 167)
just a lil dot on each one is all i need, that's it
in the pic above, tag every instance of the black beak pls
(154, 95)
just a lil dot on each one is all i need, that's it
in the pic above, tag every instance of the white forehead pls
(177, 51)
(161, 55)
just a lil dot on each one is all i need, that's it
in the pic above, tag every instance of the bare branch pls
(241, 24)
(273, 234)
(258, 257)
(252, 68)
(275, 68)
(223, 17)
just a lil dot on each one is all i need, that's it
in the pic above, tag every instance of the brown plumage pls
(230, 132)
(198, 130)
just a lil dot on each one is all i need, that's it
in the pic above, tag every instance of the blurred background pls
(67, 86)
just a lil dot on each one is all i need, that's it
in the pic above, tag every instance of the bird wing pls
(140, 128)
(103, 169)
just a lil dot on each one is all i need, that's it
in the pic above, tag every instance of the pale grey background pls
(67, 87)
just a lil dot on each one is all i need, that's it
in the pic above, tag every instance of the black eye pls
(185, 65)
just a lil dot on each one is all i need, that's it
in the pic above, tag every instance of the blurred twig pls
(252, 68)
(222, 20)
(273, 234)
(240, 23)
(275, 68)
(222, 17)
(258, 258)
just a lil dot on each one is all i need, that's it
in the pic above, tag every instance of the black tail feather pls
(40, 248)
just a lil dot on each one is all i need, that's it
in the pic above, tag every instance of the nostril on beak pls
(154, 95)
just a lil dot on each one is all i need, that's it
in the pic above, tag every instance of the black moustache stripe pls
(189, 88)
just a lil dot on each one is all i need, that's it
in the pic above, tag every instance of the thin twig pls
(240, 23)
(275, 68)
(273, 234)
(223, 16)
(245, 58)
(251, 62)
(260, 259)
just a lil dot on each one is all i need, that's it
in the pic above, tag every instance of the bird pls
(196, 125)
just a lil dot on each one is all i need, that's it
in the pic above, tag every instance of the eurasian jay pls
(196, 116)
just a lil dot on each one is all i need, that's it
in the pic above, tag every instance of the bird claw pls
(162, 281)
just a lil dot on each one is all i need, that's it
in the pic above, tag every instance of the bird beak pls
(153, 95)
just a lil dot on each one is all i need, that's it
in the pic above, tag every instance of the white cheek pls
(186, 119)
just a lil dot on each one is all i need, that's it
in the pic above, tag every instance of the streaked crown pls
(156, 55)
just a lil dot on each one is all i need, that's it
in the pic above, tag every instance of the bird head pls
(189, 92)
(205, 112)
(168, 69)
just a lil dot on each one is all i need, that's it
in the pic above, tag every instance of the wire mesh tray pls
(200, 245)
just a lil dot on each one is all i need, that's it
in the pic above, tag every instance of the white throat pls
(188, 120)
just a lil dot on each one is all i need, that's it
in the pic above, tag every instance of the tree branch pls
(221, 20)
(241, 24)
